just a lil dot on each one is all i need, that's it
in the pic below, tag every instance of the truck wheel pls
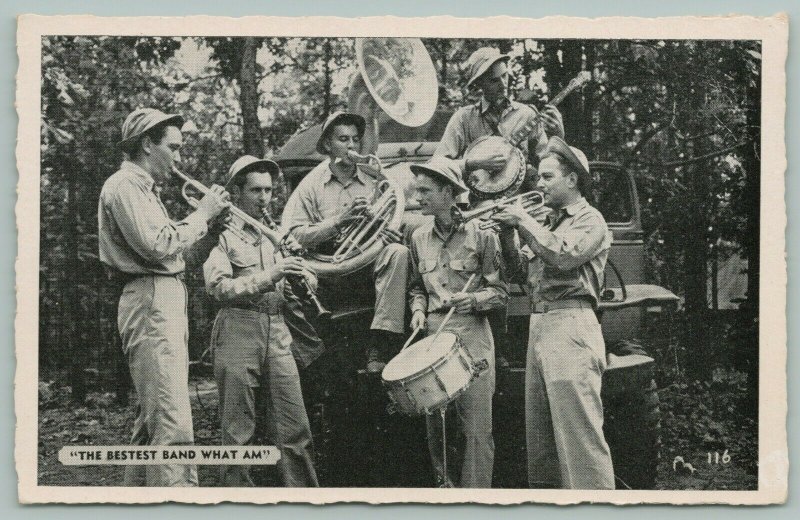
(632, 422)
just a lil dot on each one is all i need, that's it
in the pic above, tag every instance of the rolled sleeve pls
(299, 219)
(417, 296)
(454, 140)
(569, 249)
(223, 287)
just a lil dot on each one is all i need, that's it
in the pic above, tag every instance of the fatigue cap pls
(444, 169)
(482, 60)
(338, 118)
(248, 163)
(572, 156)
(143, 119)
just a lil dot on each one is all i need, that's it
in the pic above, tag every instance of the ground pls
(698, 421)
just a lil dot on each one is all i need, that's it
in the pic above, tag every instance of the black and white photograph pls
(412, 260)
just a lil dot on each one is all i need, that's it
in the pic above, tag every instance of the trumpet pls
(280, 242)
(530, 200)
(356, 236)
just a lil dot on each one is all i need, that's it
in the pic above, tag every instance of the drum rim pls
(513, 185)
(434, 364)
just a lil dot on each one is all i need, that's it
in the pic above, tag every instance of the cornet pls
(278, 241)
(530, 201)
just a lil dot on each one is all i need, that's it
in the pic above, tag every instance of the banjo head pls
(492, 184)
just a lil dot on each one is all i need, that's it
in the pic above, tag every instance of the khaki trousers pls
(563, 410)
(259, 388)
(387, 282)
(154, 328)
(470, 454)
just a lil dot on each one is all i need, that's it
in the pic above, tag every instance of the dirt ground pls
(383, 450)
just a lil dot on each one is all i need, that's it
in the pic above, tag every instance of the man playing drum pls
(253, 364)
(444, 256)
(566, 352)
(493, 114)
(144, 249)
(331, 196)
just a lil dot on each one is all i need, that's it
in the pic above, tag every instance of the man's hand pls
(357, 209)
(391, 236)
(311, 277)
(291, 244)
(463, 302)
(553, 121)
(214, 202)
(493, 161)
(418, 320)
(510, 215)
(293, 265)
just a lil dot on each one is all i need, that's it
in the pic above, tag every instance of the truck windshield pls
(612, 194)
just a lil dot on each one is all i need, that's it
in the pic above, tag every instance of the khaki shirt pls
(311, 211)
(573, 244)
(474, 121)
(239, 272)
(135, 233)
(441, 265)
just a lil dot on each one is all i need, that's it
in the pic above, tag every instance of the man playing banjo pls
(566, 353)
(334, 194)
(445, 257)
(494, 114)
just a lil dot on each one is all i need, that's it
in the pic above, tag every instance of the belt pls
(121, 279)
(271, 306)
(572, 303)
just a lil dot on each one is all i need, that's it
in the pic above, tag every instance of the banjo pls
(487, 184)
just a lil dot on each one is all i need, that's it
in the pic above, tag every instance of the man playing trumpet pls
(144, 249)
(566, 353)
(253, 363)
(333, 195)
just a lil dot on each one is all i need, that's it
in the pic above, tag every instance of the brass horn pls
(278, 240)
(399, 76)
(530, 201)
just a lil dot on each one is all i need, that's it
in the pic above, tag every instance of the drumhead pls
(419, 356)
(508, 179)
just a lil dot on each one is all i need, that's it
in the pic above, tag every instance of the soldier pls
(144, 249)
(331, 196)
(444, 256)
(253, 364)
(566, 352)
(494, 114)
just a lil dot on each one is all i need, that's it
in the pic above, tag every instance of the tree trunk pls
(326, 60)
(696, 177)
(70, 303)
(248, 98)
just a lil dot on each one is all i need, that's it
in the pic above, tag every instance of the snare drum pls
(428, 375)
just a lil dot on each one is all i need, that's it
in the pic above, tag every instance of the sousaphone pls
(399, 76)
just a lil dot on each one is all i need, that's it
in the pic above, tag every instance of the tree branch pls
(705, 157)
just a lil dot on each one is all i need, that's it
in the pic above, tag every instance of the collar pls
(484, 105)
(140, 173)
(328, 176)
(446, 237)
(576, 207)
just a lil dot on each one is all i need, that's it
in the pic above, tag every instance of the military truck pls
(629, 390)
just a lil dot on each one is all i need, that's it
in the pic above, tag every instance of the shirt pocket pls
(244, 261)
(460, 270)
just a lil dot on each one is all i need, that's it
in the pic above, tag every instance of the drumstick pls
(410, 338)
(452, 310)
